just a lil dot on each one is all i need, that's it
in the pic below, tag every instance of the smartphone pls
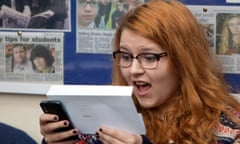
(57, 107)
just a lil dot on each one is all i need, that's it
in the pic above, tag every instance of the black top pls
(12, 135)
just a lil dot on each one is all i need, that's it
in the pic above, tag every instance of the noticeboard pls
(83, 54)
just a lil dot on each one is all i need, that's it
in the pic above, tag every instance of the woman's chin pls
(146, 105)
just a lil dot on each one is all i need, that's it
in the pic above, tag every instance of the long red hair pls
(202, 92)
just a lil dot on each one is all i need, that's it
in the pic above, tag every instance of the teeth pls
(140, 83)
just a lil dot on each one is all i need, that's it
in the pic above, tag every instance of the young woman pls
(42, 59)
(230, 37)
(161, 50)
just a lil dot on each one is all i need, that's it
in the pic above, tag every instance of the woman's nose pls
(136, 67)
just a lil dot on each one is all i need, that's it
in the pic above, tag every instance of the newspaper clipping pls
(31, 57)
(222, 27)
(97, 22)
(49, 15)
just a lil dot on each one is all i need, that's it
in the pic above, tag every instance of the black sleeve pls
(12, 135)
(59, 7)
(145, 140)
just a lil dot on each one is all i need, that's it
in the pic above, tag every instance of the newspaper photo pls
(44, 14)
(31, 57)
(221, 25)
(97, 22)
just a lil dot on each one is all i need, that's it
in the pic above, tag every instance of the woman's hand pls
(113, 136)
(49, 124)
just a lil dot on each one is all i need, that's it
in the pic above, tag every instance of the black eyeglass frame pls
(156, 55)
(93, 4)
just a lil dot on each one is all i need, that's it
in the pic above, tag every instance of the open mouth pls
(142, 88)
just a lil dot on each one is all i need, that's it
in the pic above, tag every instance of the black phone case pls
(56, 107)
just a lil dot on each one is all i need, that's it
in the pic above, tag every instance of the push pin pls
(19, 33)
(205, 9)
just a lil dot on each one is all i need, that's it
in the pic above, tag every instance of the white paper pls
(91, 106)
(233, 1)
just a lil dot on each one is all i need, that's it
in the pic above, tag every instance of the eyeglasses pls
(147, 60)
(84, 3)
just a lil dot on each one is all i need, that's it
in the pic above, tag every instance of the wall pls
(22, 111)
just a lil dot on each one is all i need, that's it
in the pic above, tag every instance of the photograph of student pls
(56, 13)
(106, 18)
(42, 59)
(21, 61)
(87, 12)
(18, 5)
(117, 15)
(106, 9)
(230, 35)
(161, 50)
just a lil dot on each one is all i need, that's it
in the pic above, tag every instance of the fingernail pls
(65, 123)
(55, 118)
(97, 134)
(100, 130)
(74, 132)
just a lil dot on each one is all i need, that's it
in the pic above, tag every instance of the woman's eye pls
(149, 58)
(126, 57)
